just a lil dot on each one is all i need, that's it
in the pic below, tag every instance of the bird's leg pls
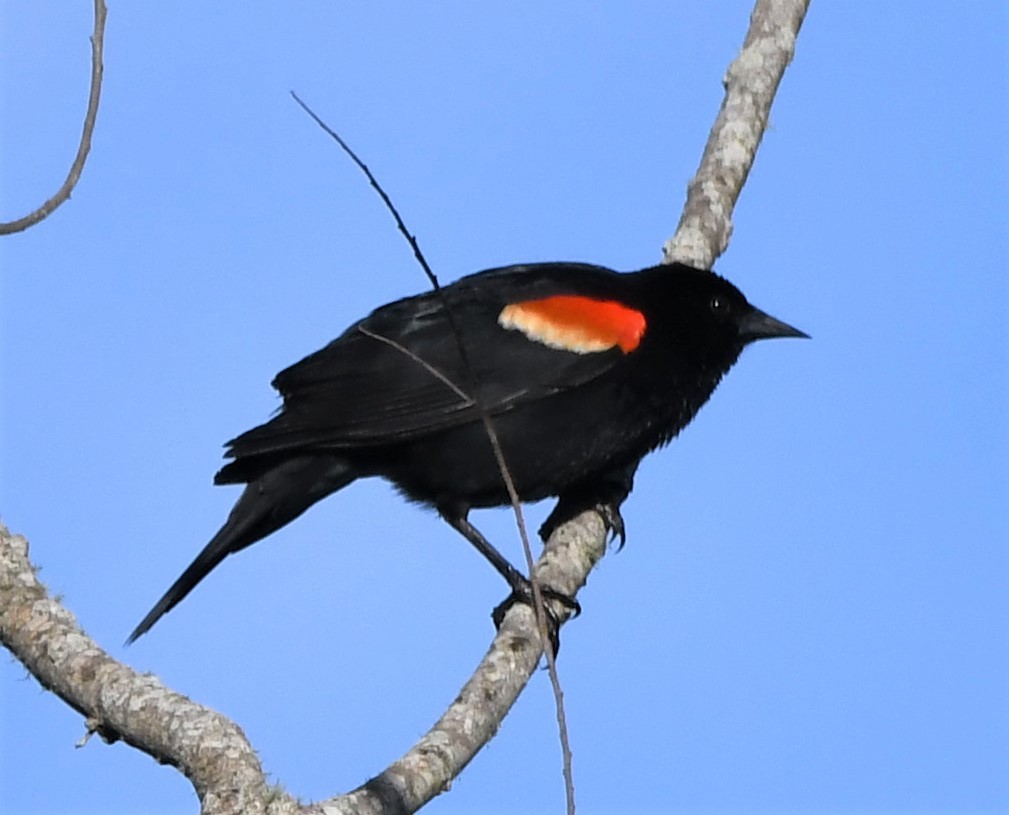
(604, 496)
(460, 523)
(522, 590)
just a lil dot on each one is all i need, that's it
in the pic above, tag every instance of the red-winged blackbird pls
(581, 370)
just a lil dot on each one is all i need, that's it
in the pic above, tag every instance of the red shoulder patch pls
(574, 323)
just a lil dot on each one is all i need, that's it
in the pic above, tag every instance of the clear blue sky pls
(812, 609)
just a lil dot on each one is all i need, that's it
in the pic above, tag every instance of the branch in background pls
(121, 704)
(94, 96)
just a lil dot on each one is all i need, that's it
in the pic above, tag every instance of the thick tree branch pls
(117, 702)
(121, 704)
(84, 147)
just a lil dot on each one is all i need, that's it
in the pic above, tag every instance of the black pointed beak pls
(760, 326)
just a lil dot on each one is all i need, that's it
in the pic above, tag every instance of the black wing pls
(398, 374)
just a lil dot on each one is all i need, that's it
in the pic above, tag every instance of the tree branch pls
(474, 717)
(750, 85)
(213, 752)
(84, 147)
(118, 702)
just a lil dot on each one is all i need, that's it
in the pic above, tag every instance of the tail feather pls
(273, 499)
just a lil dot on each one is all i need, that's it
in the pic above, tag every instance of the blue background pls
(811, 613)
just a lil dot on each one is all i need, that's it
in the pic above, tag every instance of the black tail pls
(273, 499)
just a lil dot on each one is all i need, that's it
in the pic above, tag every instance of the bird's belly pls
(546, 453)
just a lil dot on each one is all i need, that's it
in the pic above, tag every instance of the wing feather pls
(398, 374)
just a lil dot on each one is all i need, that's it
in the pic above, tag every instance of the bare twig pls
(94, 96)
(400, 224)
(420, 361)
(513, 496)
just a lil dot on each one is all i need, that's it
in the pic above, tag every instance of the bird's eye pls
(719, 305)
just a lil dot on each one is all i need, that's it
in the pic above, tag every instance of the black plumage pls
(582, 371)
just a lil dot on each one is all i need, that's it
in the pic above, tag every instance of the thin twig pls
(400, 224)
(420, 361)
(541, 624)
(94, 96)
(541, 616)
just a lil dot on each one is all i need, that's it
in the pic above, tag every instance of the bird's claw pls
(614, 522)
(606, 506)
(524, 594)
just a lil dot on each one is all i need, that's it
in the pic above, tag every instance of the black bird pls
(581, 370)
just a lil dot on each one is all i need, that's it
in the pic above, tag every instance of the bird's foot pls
(614, 521)
(523, 593)
(609, 511)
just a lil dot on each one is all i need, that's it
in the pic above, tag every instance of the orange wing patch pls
(574, 323)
